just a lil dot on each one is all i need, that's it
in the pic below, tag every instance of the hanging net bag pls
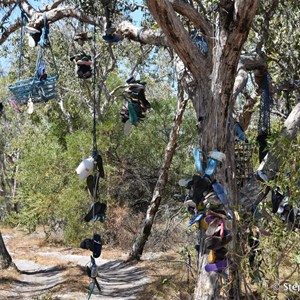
(41, 87)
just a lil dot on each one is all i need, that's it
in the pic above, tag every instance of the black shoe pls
(277, 198)
(87, 244)
(97, 245)
(200, 185)
(96, 209)
(94, 245)
(92, 183)
(99, 162)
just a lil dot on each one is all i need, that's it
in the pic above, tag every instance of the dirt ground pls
(48, 271)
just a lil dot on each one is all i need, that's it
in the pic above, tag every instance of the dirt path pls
(59, 273)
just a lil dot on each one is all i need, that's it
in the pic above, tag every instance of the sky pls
(4, 62)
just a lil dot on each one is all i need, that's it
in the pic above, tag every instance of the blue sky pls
(4, 62)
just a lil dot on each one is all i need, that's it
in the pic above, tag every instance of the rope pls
(109, 10)
(265, 106)
(92, 286)
(94, 155)
(23, 18)
(44, 39)
(264, 118)
(94, 96)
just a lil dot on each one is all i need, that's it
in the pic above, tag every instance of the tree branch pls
(53, 5)
(193, 15)
(147, 36)
(178, 37)
(7, 14)
(28, 9)
(11, 29)
(52, 16)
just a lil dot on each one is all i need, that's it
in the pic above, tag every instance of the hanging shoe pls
(133, 118)
(214, 227)
(186, 182)
(87, 244)
(191, 207)
(110, 38)
(130, 79)
(217, 242)
(198, 218)
(198, 160)
(97, 245)
(85, 168)
(215, 158)
(211, 258)
(239, 132)
(201, 185)
(212, 199)
(31, 42)
(219, 190)
(277, 198)
(99, 163)
(97, 209)
(30, 106)
(218, 266)
(90, 184)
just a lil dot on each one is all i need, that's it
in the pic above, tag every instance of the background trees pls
(219, 79)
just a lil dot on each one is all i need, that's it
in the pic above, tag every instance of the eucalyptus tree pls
(211, 73)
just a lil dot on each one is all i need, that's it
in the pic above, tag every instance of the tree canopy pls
(224, 57)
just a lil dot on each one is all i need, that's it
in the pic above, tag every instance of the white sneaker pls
(30, 29)
(31, 41)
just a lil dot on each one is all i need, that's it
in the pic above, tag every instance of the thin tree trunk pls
(138, 246)
(5, 258)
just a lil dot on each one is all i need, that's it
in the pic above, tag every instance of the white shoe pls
(31, 41)
(30, 29)
(30, 107)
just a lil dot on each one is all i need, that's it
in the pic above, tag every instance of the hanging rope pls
(23, 21)
(264, 117)
(93, 270)
(95, 151)
(109, 8)
(94, 95)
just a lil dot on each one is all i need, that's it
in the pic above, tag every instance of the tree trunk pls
(216, 126)
(5, 258)
(138, 246)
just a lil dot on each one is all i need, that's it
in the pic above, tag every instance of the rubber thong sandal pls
(196, 219)
(215, 158)
(197, 157)
(218, 266)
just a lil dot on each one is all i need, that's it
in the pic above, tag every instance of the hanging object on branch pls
(41, 87)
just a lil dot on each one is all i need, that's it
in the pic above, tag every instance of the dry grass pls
(170, 281)
(7, 277)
